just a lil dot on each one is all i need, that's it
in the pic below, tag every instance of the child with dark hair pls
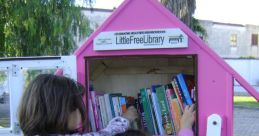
(53, 105)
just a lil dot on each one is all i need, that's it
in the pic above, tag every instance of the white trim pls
(67, 63)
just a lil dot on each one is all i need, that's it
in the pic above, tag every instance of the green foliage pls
(247, 57)
(197, 28)
(246, 101)
(3, 76)
(184, 9)
(40, 27)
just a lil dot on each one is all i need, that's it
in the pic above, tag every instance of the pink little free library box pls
(143, 44)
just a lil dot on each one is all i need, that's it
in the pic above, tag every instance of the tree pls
(40, 27)
(184, 10)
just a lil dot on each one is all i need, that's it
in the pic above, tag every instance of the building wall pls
(247, 68)
(219, 39)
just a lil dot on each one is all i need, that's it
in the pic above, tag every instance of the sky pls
(226, 11)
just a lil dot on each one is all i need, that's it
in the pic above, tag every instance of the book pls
(166, 119)
(176, 109)
(91, 116)
(142, 113)
(95, 109)
(123, 104)
(103, 111)
(157, 111)
(183, 87)
(116, 105)
(111, 102)
(151, 104)
(147, 111)
(108, 106)
(177, 114)
(189, 80)
(169, 96)
(100, 119)
(178, 94)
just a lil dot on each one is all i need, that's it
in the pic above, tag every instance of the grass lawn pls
(4, 122)
(246, 101)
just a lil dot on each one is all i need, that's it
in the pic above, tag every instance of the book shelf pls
(128, 74)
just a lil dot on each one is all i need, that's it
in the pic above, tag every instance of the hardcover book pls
(166, 119)
(157, 110)
(147, 111)
(184, 89)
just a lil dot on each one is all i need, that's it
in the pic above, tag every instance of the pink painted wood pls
(215, 77)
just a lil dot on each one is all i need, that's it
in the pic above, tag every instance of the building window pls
(233, 40)
(254, 39)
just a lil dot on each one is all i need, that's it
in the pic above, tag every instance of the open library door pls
(15, 75)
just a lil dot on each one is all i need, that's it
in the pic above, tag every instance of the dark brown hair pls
(47, 103)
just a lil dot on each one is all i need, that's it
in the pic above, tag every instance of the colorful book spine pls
(123, 104)
(169, 96)
(119, 106)
(190, 82)
(166, 120)
(108, 106)
(184, 89)
(142, 113)
(116, 105)
(146, 107)
(95, 110)
(100, 124)
(111, 102)
(178, 93)
(151, 104)
(91, 116)
(157, 110)
(103, 111)
(177, 114)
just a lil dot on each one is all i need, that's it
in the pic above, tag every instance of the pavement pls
(246, 121)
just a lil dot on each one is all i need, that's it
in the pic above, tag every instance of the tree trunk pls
(183, 9)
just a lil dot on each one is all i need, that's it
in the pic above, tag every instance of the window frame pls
(233, 40)
(254, 39)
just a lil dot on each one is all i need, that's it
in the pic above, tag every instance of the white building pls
(232, 40)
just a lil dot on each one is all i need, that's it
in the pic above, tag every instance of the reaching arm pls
(115, 126)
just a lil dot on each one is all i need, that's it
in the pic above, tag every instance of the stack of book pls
(160, 106)
(105, 106)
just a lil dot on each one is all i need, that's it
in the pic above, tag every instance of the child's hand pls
(131, 114)
(188, 117)
(117, 125)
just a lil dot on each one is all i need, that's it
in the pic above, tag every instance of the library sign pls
(141, 39)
